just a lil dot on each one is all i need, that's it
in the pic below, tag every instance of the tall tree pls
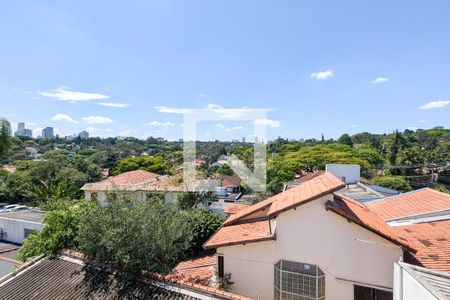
(5, 141)
(346, 140)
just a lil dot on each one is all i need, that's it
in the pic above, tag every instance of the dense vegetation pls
(131, 234)
(155, 236)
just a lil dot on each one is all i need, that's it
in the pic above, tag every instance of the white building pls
(16, 226)
(310, 243)
(139, 183)
(350, 174)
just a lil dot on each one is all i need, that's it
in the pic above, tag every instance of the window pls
(366, 293)
(27, 232)
(220, 270)
(298, 281)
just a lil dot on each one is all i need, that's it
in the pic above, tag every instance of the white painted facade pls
(14, 230)
(347, 253)
(102, 197)
(347, 173)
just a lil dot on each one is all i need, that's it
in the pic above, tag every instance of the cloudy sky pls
(128, 68)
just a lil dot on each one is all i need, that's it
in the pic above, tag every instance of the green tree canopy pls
(155, 164)
(345, 139)
(134, 234)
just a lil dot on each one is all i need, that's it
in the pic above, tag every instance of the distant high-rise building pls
(84, 134)
(7, 124)
(47, 133)
(20, 126)
(243, 139)
(22, 131)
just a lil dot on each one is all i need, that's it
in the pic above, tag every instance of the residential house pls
(139, 183)
(312, 242)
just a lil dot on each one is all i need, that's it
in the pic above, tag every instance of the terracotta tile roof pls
(411, 203)
(198, 270)
(133, 177)
(363, 216)
(431, 240)
(308, 176)
(314, 188)
(127, 181)
(233, 208)
(228, 181)
(240, 234)
(317, 187)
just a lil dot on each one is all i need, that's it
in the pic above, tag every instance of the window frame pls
(300, 288)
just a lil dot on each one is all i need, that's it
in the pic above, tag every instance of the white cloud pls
(354, 126)
(423, 121)
(268, 122)
(212, 109)
(97, 120)
(112, 104)
(380, 80)
(31, 124)
(229, 129)
(64, 118)
(64, 94)
(234, 128)
(164, 124)
(435, 104)
(97, 130)
(322, 75)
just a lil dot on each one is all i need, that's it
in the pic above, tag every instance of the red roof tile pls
(233, 208)
(132, 177)
(308, 176)
(228, 181)
(363, 216)
(125, 181)
(317, 187)
(240, 234)
(431, 240)
(411, 203)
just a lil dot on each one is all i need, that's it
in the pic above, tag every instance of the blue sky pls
(320, 66)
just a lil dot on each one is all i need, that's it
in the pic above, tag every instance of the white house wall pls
(406, 287)
(344, 251)
(15, 229)
(251, 268)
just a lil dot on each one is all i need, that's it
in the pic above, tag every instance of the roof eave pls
(377, 232)
(256, 240)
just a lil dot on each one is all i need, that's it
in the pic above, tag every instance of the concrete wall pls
(345, 252)
(350, 172)
(15, 229)
(406, 287)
